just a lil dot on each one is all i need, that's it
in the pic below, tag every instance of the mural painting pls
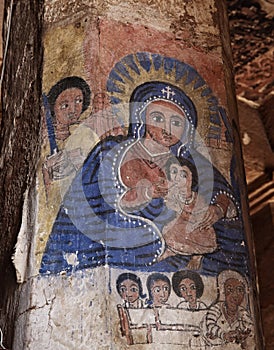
(225, 324)
(141, 193)
(65, 103)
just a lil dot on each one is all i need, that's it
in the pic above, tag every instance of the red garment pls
(144, 176)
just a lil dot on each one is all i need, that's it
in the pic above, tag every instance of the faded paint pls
(109, 242)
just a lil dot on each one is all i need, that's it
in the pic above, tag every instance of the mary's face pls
(68, 106)
(165, 123)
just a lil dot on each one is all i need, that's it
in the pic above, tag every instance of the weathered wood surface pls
(19, 139)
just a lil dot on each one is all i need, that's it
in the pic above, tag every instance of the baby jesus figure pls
(190, 232)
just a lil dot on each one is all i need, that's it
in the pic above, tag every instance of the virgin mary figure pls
(115, 210)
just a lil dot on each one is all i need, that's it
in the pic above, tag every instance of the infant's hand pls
(159, 188)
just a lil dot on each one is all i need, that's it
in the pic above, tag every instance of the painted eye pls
(157, 289)
(158, 118)
(134, 290)
(123, 289)
(183, 174)
(177, 122)
(173, 171)
(64, 106)
(193, 287)
(166, 289)
(240, 290)
(78, 100)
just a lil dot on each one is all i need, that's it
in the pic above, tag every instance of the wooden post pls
(19, 140)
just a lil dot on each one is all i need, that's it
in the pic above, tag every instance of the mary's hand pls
(212, 215)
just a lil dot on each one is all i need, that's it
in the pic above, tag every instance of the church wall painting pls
(137, 175)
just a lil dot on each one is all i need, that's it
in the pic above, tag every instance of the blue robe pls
(91, 224)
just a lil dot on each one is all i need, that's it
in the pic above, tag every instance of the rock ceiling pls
(252, 40)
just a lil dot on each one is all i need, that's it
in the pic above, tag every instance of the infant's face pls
(180, 176)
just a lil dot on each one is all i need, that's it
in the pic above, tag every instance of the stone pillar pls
(142, 237)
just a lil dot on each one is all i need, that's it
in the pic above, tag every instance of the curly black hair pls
(129, 276)
(68, 83)
(192, 275)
